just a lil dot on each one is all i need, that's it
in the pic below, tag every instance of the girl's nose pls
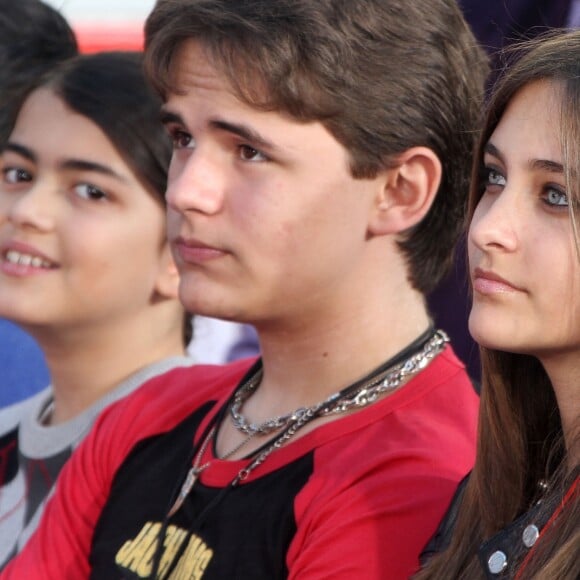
(494, 222)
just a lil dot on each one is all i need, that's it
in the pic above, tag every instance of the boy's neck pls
(85, 365)
(309, 363)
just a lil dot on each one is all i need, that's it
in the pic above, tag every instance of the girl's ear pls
(167, 284)
(408, 192)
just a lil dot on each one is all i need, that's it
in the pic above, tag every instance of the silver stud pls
(530, 535)
(497, 562)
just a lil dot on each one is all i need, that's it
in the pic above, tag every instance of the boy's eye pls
(16, 175)
(248, 153)
(181, 139)
(88, 191)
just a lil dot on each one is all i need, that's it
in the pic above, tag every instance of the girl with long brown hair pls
(518, 514)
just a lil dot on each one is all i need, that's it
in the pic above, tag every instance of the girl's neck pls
(564, 373)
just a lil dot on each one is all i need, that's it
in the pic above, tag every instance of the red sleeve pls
(61, 546)
(376, 497)
(372, 531)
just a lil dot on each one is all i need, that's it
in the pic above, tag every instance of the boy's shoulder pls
(12, 415)
(163, 402)
(196, 381)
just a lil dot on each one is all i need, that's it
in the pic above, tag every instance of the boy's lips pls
(192, 250)
(20, 254)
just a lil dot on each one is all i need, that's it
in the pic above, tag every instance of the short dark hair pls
(34, 37)
(110, 89)
(381, 75)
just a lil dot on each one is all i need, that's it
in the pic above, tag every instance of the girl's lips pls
(486, 282)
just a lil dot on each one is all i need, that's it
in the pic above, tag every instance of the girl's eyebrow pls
(536, 164)
(493, 150)
(547, 165)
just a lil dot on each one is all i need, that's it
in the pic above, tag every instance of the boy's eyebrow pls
(166, 117)
(245, 132)
(20, 150)
(239, 129)
(83, 165)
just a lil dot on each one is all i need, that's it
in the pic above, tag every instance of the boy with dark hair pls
(321, 159)
(34, 37)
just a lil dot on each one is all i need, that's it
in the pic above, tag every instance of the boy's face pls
(265, 220)
(81, 239)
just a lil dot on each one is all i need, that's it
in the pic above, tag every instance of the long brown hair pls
(520, 438)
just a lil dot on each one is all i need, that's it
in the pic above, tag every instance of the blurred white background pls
(103, 11)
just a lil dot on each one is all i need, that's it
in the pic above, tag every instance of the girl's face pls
(523, 262)
(81, 240)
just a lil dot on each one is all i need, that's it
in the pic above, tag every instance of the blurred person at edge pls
(34, 37)
(85, 266)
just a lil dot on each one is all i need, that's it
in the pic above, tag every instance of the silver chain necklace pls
(240, 422)
(368, 393)
(197, 469)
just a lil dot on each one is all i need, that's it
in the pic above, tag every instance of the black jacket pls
(502, 554)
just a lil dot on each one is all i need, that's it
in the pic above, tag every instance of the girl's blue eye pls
(555, 198)
(491, 180)
(90, 192)
(494, 177)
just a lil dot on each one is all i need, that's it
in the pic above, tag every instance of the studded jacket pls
(505, 554)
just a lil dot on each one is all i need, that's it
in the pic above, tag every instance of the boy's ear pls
(167, 283)
(408, 192)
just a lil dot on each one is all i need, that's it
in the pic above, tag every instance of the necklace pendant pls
(187, 486)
